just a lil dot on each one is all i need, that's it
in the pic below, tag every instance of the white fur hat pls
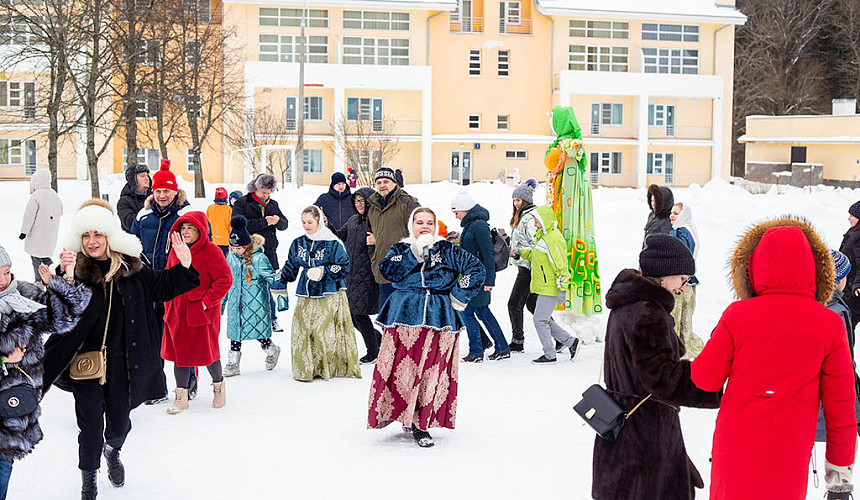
(98, 215)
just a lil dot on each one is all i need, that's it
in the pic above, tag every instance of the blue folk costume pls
(247, 304)
(323, 339)
(685, 303)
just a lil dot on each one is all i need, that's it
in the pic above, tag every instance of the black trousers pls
(102, 413)
(520, 296)
(159, 322)
(371, 337)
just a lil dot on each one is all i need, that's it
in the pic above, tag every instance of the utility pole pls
(298, 168)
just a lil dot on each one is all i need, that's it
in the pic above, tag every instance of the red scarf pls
(260, 202)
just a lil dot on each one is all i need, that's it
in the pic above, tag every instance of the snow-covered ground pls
(516, 435)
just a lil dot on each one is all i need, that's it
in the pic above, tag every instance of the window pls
(592, 58)
(270, 16)
(379, 51)
(670, 32)
(509, 13)
(11, 152)
(285, 48)
(662, 115)
(605, 163)
(17, 94)
(474, 63)
(313, 161)
(600, 29)
(517, 155)
(146, 107)
(200, 7)
(192, 53)
(373, 20)
(145, 52)
(17, 31)
(151, 157)
(195, 106)
(504, 62)
(607, 113)
(474, 121)
(370, 159)
(363, 108)
(662, 164)
(503, 122)
(190, 159)
(312, 110)
(674, 61)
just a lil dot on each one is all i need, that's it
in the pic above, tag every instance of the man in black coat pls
(336, 204)
(264, 218)
(133, 195)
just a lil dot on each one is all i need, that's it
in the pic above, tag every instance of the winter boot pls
(559, 347)
(543, 360)
(89, 490)
(422, 438)
(231, 369)
(276, 327)
(474, 358)
(272, 354)
(192, 384)
(833, 495)
(180, 404)
(574, 349)
(499, 355)
(367, 359)
(516, 347)
(116, 471)
(219, 394)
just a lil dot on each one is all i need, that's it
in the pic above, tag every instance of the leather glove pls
(837, 478)
(22, 236)
(315, 273)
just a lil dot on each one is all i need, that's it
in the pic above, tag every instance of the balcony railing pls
(515, 27)
(467, 25)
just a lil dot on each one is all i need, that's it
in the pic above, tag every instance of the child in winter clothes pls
(323, 340)
(660, 201)
(685, 303)
(549, 280)
(219, 220)
(247, 302)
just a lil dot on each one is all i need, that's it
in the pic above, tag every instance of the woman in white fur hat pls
(120, 322)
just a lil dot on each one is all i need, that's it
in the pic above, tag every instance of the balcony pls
(515, 27)
(701, 133)
(467, 25)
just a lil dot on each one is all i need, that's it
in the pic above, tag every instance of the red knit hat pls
(220, 194)
(164, 178)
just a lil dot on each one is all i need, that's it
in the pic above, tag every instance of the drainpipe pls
(714, 62)
(551, 48)
(428, 34)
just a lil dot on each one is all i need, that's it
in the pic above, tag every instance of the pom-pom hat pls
(239, 235)
(463, 202)
(841, 264)
(164, 178)
(526, 191)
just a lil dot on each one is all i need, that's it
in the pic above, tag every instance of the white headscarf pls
(685, 220)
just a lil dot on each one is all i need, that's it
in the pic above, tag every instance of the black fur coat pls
(65, 303)
(643, 356)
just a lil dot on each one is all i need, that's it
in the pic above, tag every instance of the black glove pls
(22, 236)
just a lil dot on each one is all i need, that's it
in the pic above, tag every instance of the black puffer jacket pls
(130, 201)
(337, 207)
(658, 219)
(851, 248)
(361, 289)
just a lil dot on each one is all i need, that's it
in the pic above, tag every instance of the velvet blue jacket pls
(322, 249)
(424, 289)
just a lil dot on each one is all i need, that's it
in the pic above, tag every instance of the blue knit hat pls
(239, 235)
(842, 265)
(855, 210)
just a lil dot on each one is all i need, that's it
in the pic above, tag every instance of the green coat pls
(548, 257)
(388, 225)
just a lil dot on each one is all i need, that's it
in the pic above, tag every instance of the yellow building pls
(823, 147)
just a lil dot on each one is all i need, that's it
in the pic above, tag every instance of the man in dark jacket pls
(851, 248)
(388, 213)
(660, 202)
(133, 194)
(264, 218)
(336, 204)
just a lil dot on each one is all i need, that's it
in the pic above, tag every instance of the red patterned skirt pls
(415, 379)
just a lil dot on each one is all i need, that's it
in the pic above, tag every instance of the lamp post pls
(298, 168)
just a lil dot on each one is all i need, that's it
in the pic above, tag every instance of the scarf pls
(12, 301)
(685, 220)
(260, 202)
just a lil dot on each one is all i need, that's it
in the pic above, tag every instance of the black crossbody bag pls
(19, 400)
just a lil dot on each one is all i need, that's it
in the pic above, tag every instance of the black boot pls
(89, 490)
(422, 438)
(116, 471)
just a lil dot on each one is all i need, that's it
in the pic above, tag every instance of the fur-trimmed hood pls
(98, 215)
(782, 255)
(665, 200)
(257, 242)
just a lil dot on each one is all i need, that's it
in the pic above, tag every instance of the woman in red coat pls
(782, 351)
(192, 322)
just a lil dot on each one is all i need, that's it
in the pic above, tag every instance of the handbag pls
(19, 400)
(93, 364)
(602, 412)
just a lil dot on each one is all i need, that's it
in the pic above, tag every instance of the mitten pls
(315, 273)
(837, 478)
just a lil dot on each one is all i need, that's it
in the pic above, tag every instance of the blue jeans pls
(273, 310)
(470, 317)
(5, 472)
(385, 289)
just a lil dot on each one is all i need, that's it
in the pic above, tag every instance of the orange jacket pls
(219, 219)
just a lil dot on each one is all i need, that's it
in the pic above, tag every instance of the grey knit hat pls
(525, 191)
(4, 258)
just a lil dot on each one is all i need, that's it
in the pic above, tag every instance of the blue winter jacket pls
(423, 289)
(477, 240)
(683, 234)
(152, 227)
(247, 304)
(319, 249)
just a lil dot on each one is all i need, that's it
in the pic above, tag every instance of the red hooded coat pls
(190, 331)
(782, 352)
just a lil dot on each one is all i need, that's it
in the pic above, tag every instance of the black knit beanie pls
(239, 235)
(665, 255)
(855, 210)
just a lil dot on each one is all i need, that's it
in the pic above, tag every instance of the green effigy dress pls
(569, 194)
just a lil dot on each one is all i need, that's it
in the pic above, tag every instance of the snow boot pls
(474, 358)
(116, 471)
(192, 384)
(272, 354)
(219, 394)
(276, 327)
(89, 490)
(574, 349)
(499, 355)
(231, 369)
(515, 347)
(422, 438)
(833, 495)
(180, 404)
(543, 360)
(367, 359)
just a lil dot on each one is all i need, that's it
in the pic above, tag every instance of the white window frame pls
(12, 152)
(474, 62)
(670, 61)
(364, 108)
(364, 20)
(611, 113)
(308, 164)
(617, 30)
(665, 32)
(608, 162)
(513, 12)
(189, 158)
(13, 94)
(192, 53)
(370, 159)
(614, 59)
(518, 154)
(666, 168)
(18, 31)
(379, 51)
(291, 17)
(658, 116)
(143, 108)
(504, 63)
(285, 48)
(142, 158)
(474, 122)
(503, 122)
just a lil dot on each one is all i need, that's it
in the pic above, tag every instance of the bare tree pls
(366, 144)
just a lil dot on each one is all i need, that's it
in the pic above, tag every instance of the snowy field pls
(516, 437)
